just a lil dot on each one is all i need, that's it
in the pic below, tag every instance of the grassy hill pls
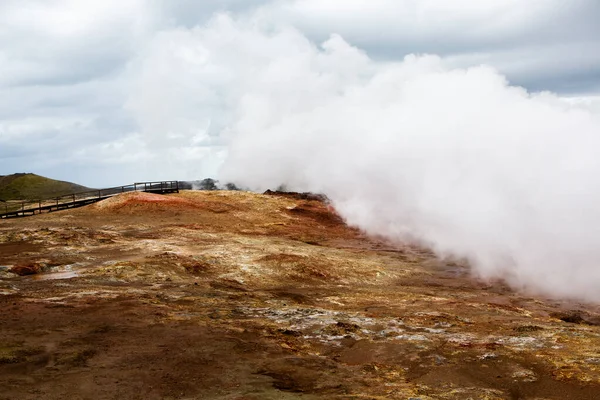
(33, 187)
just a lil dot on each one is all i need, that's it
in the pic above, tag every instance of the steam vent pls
(322, 200)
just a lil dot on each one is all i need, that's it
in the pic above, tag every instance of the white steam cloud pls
(414, 150)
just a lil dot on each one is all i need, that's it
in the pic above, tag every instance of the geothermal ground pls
(233, 295)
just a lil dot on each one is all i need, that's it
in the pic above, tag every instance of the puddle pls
(64, 272)
(48, 276)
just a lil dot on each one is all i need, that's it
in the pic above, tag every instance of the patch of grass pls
(9, 357)
(528, 328)
(34, 187)
(12, 354)
(78, 358)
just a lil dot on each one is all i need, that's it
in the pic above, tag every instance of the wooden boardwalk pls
(31, 207)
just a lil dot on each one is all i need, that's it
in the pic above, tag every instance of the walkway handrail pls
(21, 206)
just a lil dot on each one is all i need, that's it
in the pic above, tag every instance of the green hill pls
(34, 187)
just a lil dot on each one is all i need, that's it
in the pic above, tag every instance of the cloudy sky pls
(110, 92)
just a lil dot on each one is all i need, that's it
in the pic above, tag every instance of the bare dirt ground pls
(233, 295)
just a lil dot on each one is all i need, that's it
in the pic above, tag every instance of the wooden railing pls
(22, 208)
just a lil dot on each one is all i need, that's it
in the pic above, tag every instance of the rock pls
(341, 329)
(289, 332)
(439, 360)
(573, 317)
(488, 356)
(26, 269)
(525, 375)
(577, 317)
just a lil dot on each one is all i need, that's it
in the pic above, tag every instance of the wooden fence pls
(23, 208)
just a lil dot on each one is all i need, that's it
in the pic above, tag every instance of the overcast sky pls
(109, 92)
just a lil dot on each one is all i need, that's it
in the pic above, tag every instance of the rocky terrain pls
(234, 295)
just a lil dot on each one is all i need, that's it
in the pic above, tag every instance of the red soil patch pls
(144, 202)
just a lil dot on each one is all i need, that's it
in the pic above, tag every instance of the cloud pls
(56, 43)
(77, 76)
(554, 38)
(67, 70)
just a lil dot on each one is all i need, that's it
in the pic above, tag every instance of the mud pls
(232, 295)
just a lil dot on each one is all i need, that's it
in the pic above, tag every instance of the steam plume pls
(414, 150)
